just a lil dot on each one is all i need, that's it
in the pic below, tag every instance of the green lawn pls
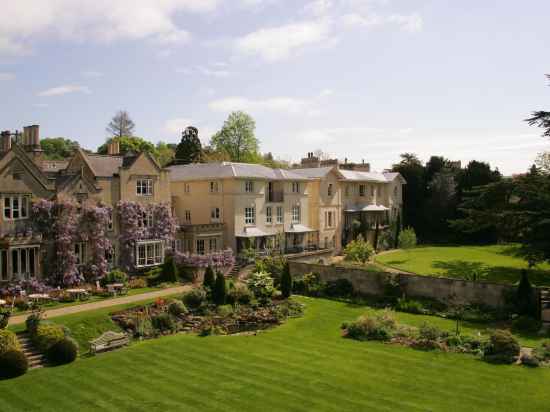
(303, 365)
(496, 263)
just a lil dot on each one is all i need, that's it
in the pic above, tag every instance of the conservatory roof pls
(368, 208)
(299, 229)
(252, 232)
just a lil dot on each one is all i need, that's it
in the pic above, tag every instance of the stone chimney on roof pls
(310, 161)
(5, 141)
(113, 148)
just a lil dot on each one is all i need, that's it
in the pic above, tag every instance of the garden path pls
(52, 313)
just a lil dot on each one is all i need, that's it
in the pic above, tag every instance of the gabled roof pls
(224, 170)
(356, 176)
(391, 176)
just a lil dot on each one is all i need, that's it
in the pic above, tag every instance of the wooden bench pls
(108, 341)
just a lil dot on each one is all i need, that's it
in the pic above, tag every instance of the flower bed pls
(159, 318)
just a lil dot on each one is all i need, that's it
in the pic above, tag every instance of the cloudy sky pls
(362, 79)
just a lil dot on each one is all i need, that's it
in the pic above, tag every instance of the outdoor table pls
(2, 302)
(115, 287)
(37, 297)
(77, 292)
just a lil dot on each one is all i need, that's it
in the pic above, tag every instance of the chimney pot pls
(5, 141)
(113, 148)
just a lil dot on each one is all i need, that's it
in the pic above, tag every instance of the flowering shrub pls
(216, 260)
(93, 225)
(134, 227)
(29, 286)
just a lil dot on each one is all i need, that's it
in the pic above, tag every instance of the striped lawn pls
(303, 365)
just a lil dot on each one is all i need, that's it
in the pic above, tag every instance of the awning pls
(369, 208)
(253, 232)
(299, 229)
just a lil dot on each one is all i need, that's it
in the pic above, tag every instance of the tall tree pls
(542, 119)
(58, 148)
(237, 138)
(164, 153)
(414, 192)
(130, 144)
(189, 149)
(121, 125)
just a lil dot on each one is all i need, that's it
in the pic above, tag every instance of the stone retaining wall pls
(373, 283)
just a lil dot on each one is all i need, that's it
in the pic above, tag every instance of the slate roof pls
(314, 172)
(352, 175)
(104, 165)
(198, 171)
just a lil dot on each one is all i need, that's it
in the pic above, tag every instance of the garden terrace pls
(495, 263)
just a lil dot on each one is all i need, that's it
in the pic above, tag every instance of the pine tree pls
(209, 280)
(286, 282)
(219, 292)
(189, 149)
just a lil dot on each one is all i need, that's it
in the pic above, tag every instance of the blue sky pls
(362, 79)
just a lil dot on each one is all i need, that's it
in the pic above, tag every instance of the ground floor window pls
(150, 253)
(213, 244)
(200, 246)
(80, 253)
(23, 262)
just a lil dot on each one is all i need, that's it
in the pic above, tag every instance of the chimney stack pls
(5, 141)
(35, 136)
(113, 148)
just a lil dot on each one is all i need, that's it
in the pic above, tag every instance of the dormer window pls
(144, 187)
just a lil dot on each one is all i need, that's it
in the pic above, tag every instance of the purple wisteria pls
(94, 221)
(216, 260)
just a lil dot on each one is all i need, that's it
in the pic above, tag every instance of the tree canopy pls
(237, 138)
(189, 149)
(58, 148)
(129, 143)
(121, 125)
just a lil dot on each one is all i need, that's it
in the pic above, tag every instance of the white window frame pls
(201, 247)
(295, 187)
(296, 212)
(188, 216)
(149, 253)
(16, 203)
(215, 214)
(250, 215)
(144, 187)
(280, 215)
(20, 271)
(249, 186)
(268, 215)
(213, 244)
(148, 219)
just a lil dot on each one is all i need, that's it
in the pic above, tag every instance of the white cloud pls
(64, 89)
(5, 76)
(326, 93)
(217, 69)
(277, 43)
(100, 20)
(319, 7)
(287, 105)
(411, 22)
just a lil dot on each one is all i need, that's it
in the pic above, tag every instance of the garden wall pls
(373, 283)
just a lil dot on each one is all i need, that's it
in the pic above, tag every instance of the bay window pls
(149, 253)
(250, 215)
(144, 187)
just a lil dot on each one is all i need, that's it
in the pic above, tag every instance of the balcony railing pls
(275, 196)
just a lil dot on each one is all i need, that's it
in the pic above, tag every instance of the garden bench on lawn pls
(108, 341)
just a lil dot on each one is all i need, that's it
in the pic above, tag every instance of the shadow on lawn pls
(461, 269)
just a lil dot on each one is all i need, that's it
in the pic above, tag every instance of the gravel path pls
(69, 310)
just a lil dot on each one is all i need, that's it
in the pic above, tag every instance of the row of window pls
(22, 261)
(248, 187)
(361, 189)
(250, 215)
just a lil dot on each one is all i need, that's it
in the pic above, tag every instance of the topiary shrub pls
(209, 281)
(13, 363)
(407, 238)
(286, 282)
(114, 276)
(8, 341)
(219, 292)
(381, 326)
(177, 308)
(194, 298)
(239, 294)
(63, 352)
(501, 348)
(169, 271)
(341, 288)
(525, 302)
(47, 335)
